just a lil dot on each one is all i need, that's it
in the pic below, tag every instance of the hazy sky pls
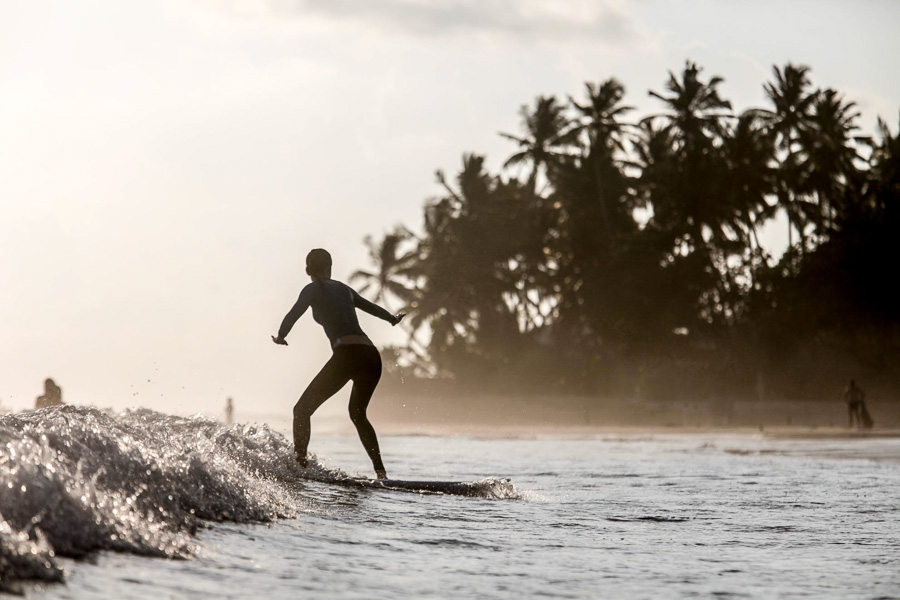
(165, 165)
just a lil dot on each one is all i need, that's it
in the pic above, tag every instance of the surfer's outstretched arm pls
(295, 313)
(374, 310)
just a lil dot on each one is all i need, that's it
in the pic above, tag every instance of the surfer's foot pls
(380, 474)
(302, 460)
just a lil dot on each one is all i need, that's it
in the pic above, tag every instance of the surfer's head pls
(318, 263)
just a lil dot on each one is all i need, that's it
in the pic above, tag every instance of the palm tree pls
(600, 123)
(696, 113)
(696, 124)
(792, 102)
(884, 170)
(481, 268)
(546, 136)
(830, 152)
(458, 287)
(600, 116)
(655, 158)
(749, 151)
(749, 182)
(700, 207)
(392, 264)
(591, 217)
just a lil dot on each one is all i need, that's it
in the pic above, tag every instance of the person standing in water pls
(229, 411)
(355, 357)
(856, 406)
(854, 398)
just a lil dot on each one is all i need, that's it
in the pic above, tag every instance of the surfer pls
(354, 355)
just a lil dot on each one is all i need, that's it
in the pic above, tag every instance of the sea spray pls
(74, 480)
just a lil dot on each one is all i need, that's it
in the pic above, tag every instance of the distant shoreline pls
(567, 414)
(539, 431)
(338, 424)
(561, 417)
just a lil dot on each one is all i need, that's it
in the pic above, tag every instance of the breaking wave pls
(75, 480)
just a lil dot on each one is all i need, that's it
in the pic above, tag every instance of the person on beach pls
(229, 411)
(856, 406)
(52, 395)
(354, 357)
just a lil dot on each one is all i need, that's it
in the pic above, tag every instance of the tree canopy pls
(606, 246)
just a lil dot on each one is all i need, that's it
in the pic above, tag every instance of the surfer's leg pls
(364, 382)
(333, 376)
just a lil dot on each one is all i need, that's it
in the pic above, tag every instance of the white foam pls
(75, 480)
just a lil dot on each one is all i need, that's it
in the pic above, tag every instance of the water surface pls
(609, 516)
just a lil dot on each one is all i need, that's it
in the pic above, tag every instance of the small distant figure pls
(229, 411)
(52, 395)
(856, 406)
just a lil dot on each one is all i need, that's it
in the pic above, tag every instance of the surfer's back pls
(333, 308)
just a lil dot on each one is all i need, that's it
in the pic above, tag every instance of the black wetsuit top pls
(334, 308)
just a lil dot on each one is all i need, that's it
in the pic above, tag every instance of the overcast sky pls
(166, 165)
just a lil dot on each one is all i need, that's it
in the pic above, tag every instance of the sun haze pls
(165, 166)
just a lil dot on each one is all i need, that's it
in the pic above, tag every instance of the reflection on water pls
(630, 516)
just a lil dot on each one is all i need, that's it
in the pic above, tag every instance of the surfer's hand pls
(279, 340)
(397, 318)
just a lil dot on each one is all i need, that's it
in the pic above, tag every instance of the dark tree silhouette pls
(546, 133)
(830, 149)
(638, 243)
(788, 120)
(696, 121)
(391, 263)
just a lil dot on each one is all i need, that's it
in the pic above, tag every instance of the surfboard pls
(486, 488)
(454, 488)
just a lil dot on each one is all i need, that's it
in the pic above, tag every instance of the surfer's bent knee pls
(301, 409)
(358, 414)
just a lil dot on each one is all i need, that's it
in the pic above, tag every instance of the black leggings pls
(360, 363)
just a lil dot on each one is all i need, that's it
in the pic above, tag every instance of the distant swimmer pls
(856, 406)
(229, 411)
(354, 357)
(52, 395)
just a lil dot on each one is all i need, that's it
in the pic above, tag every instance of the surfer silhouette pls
(52, 395)
(354, 357)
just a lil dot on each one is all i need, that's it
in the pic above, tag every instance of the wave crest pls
(75, 480)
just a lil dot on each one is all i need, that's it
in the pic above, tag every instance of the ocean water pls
(144, 505)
